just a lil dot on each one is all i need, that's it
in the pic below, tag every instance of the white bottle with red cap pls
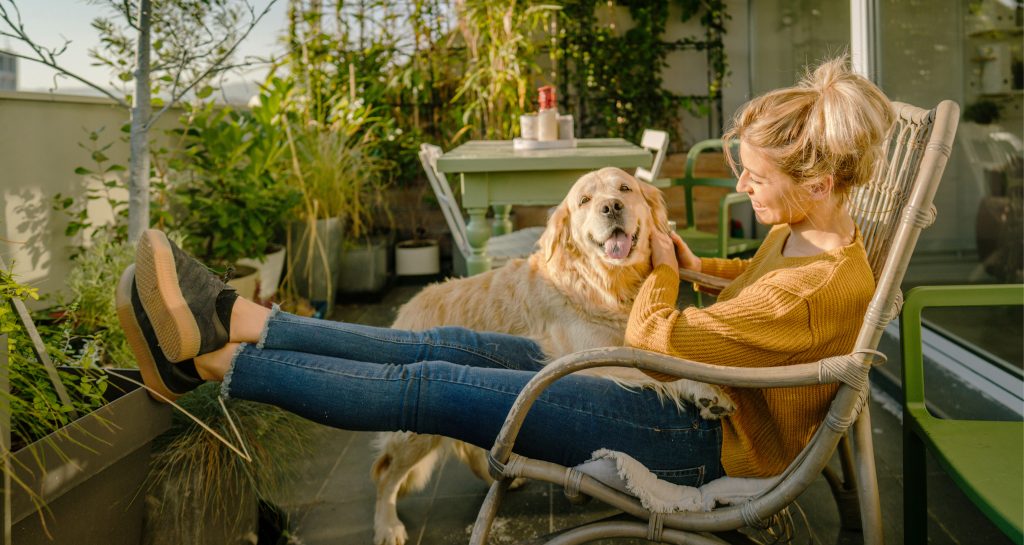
(547, 117)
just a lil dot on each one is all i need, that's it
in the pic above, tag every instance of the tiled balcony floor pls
(331, 503)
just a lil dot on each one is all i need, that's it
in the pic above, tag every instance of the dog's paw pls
(393, 534)
(714, 405)
(518, 483)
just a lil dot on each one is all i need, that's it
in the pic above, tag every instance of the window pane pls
(970, 52)
(788, 35)
(994, 333)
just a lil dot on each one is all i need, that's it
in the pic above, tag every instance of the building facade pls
(8, 72)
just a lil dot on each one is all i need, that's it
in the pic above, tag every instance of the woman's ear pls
(821, 189)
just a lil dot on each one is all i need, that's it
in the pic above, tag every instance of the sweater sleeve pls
(763, 323)
(723, 268)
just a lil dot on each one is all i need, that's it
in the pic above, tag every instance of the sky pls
(50, 22)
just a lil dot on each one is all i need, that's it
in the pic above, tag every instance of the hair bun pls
(831, 124)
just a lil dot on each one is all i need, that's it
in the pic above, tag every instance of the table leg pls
(502, 223)
(478, 232)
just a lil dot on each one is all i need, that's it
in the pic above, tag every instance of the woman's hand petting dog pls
(672, 251)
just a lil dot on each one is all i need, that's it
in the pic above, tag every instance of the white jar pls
(528, 126)
(547, 125)
(565, 130)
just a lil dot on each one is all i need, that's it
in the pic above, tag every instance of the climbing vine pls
(614, 83)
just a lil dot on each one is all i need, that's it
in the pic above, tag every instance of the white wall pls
(40, 137)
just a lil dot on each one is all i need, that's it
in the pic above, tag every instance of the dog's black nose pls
(612, 208)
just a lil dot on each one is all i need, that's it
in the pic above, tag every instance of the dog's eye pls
(625, 188)
(584, 200)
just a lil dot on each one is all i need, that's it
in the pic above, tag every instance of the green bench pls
(984, 458)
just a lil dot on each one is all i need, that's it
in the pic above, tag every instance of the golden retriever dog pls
(573, 293)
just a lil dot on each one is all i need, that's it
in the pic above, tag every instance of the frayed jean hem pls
(225, 385)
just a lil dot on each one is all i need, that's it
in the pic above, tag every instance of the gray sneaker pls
(168, 380)
(189, 307)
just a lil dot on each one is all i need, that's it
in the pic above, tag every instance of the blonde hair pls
(831, 124)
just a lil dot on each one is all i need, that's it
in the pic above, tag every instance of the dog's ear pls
(558, 231)
(656, 202)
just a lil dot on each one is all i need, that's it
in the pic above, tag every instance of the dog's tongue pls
(618, 245)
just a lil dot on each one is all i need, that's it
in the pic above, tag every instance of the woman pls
(800, 298)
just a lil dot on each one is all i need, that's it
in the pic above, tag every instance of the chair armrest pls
(922, 297)
(850, 368)
(715, 282)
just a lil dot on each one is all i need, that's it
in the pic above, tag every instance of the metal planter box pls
(89, 474)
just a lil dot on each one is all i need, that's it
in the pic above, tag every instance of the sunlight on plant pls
(36, 411)
(496, 85)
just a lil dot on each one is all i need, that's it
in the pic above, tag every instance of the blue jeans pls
(459, 383)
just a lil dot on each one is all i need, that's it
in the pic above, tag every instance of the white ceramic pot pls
(417, 257)
(245, 281)
(270, 272)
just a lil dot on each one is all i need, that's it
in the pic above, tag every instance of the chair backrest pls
(657, 142)
(890, 211)
(429, 154)
(914, 155)
(690, 180)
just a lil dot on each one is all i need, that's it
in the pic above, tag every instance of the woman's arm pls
(723, 268)
(761, 326)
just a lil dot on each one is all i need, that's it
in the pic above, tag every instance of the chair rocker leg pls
(488, 510)
(628, 529)
(844, 489)
(865, 477)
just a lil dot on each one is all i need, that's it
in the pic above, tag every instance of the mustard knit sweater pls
(776, 311)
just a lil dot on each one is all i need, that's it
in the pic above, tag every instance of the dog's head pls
(607, 216)
(596, 247)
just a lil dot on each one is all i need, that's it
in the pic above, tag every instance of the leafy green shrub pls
(227, 198)
(36, 410)
(91, 316)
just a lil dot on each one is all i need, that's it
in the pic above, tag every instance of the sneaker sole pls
(136, 340)
(156, 279)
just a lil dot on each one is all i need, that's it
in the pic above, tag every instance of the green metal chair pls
(984, 458)
(705, 243)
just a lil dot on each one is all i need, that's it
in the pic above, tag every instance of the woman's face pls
(775, 197)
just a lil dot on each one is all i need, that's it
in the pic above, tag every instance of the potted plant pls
(72, 463)
(227, 199)
(200, 491)
(339, 176)
(364, 263)
(420, 255)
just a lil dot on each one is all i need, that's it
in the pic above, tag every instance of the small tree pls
(193, 42)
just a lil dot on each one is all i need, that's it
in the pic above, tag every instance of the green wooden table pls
(492, 173)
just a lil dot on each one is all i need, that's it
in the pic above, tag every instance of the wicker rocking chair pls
(890, 212)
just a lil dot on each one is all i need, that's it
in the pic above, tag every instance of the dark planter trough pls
(89, 475)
